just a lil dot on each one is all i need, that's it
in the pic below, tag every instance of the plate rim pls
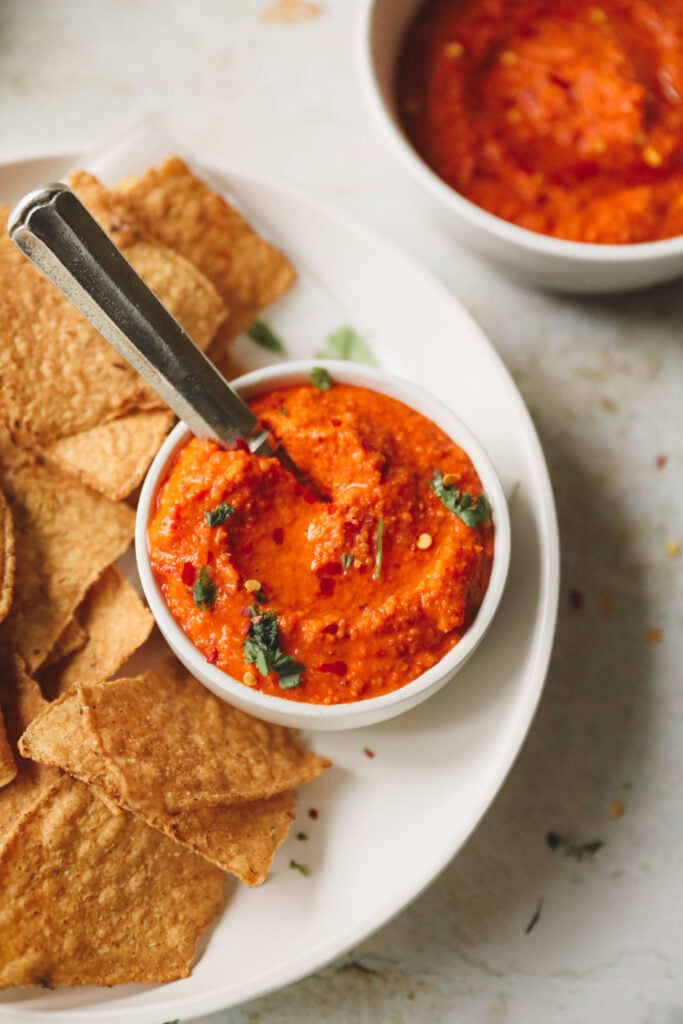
(547, 533)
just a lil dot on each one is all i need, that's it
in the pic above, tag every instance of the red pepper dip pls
(325, 601)
(562, 116)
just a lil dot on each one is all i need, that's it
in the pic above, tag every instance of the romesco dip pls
(335, 592)
(562, 116)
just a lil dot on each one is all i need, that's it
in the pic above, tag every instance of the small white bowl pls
(575, 267)
(358, 713)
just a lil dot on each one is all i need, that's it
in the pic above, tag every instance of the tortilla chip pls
(113, 457)
(6, 557)
(66, 535)
(240, 838)
(72, 638)
(116, 623)
(59, 376)
(8, 769)
(180, 210)
(94, 899)
(171, 744)
(21, 701)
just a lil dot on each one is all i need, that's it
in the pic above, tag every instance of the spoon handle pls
(53, 228)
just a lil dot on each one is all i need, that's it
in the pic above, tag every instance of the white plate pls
(388, 824)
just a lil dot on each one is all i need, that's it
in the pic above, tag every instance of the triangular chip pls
(174, 744)
(66, 535)
(89, 898)
(6, 557)
(165, 748)
(21, 701)
(115, 622)
(59, 376)
(113, 457)
(180, 210)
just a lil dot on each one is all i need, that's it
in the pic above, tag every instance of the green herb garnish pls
(349, 345)
(347, 560)
(204, 590)
(220, 514)
(472, 511)
(262, 648)
(379, 548)
(283, 411)
(577, 851)
(302, 837)
(303, 869)
(264, 335)
(321, 378)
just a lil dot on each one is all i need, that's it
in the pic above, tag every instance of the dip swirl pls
(564, 117)
(365, 591)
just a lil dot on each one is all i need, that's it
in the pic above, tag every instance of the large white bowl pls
(358, 713)
(533, 258)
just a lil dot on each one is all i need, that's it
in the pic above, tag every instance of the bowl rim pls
(373, 708)
(476, 216)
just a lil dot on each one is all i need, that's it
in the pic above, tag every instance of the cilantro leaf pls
(471, 511)
(347, 560)
(321, 378)
(347, 344)
(219, 514)
(264, 335)
(262, 649)
(379, 548)
(204, 590)
(303, 869)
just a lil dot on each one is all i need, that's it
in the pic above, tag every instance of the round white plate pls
(387, 824)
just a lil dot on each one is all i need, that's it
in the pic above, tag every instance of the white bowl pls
(358, 713)
(531, 257)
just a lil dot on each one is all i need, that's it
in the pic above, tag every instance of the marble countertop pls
(603, 379)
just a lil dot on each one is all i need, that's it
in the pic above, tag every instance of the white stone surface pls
(604, 381)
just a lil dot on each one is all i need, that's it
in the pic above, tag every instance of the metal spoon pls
(53, 228)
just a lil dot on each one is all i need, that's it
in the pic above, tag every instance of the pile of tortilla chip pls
(123, 801)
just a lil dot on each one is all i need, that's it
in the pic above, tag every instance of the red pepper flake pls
(309, 496)
(368, 752)
(312, 814)
(200, 495)
(189, 574)
(212, 658)
(241, 445)
(210, 558)
(331, 629)
(661, 461)
(330, 569)
(337, 668)
(326, 586)
(278, 535)
(576, 599)
(335, 422)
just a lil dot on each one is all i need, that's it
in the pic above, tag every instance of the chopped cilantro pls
(283, 411)
(204, 590)
(262, 648)
(577, 851)
(220, 514)
(349, 345)
(264, 335)
(303, 869)
(347, 560)
(302, 837)
(471, 511)
(379, 548)
(321, 378)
